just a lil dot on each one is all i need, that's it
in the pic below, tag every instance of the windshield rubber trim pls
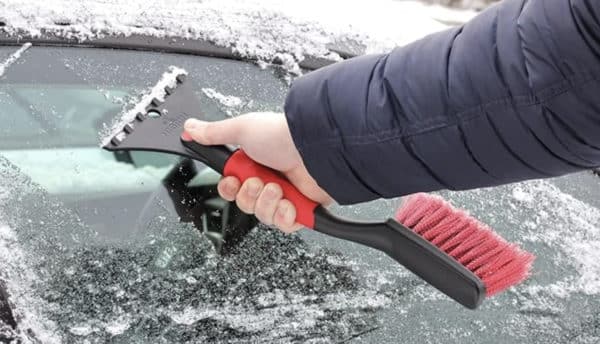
(174, 45)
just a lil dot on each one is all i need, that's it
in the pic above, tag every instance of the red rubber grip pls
(239, 165)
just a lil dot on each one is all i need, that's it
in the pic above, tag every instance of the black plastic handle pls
(215, 157)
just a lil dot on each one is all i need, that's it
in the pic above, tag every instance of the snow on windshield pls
(13, 58)
(74, 290)
(69, 287)
(231, 105)
(18, 279)
(573, 227)
(23, 252)
(259, 29)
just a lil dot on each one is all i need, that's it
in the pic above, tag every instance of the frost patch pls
(570, 227)
(587, 258)
(566, 223)
(18, 279)
(579, 236)
(82, 330)
(520, 195)
(118, 326)
(307, 310)
(231, 105)
(272, 289)
(230, 101)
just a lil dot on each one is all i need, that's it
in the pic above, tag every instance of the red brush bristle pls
(496, 262)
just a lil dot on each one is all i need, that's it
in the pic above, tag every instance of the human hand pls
(265, 137)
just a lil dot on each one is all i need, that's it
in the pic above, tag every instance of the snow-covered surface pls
(13, 58)
(16, 270)
(277, 305)
(19, 279)
(229, 101)
(578, 234)
(168, 79)
(90, 292)
(261, 29)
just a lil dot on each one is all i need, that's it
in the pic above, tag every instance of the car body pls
(93, 248)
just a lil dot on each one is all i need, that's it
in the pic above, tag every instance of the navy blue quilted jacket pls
(512, 95)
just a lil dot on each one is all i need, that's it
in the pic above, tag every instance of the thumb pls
(214, 133)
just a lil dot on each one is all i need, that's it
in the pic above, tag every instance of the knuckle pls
(284, 220)
(265, 209)
(252, 188)
(224, 194)
(228, 188)
(224, 186)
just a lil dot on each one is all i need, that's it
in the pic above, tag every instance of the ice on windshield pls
(13, 58)
(23, 251)
(18, 279)
(274, 287)
(224, 300)
(572, 227)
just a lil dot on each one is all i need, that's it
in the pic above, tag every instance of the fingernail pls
(286, 214)
(270, 192)
(253, 190)
(289, 217)
(191, 124)
(229, 188)
(282, 211)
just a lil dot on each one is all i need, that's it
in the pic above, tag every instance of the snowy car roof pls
(265, 30)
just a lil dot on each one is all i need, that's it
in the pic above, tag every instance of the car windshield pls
(91, 250)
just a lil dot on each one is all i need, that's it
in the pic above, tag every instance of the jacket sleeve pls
(512, 95)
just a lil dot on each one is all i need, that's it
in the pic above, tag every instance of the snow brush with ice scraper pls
(445, 247)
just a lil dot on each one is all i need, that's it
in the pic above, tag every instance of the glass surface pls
(92, 251)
